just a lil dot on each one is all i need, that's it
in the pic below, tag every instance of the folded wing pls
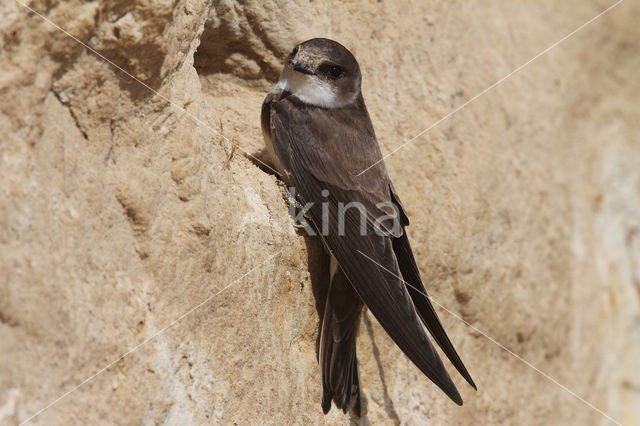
(368, 260)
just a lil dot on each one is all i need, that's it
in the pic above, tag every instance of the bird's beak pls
(302, 68)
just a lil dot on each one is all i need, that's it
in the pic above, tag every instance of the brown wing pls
(325, 149)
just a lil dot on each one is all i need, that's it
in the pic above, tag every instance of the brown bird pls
(320, 138)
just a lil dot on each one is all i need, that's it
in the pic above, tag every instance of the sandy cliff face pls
(125, 209)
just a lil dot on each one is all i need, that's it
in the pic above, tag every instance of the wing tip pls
(472, 383)
(454, 395)
(465, 374)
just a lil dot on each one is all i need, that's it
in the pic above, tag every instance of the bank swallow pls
(319, 136)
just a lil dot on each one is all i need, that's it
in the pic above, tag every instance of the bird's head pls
(321, 72)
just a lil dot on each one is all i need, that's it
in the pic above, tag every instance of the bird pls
(320, 138)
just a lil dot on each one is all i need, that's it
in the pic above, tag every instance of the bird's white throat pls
(309, 89)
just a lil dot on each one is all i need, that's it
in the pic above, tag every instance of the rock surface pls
(130, 225)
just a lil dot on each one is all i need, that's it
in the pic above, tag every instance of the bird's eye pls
(335, 71)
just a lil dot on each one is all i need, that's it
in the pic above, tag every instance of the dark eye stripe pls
(331, 70)
(336, 71)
